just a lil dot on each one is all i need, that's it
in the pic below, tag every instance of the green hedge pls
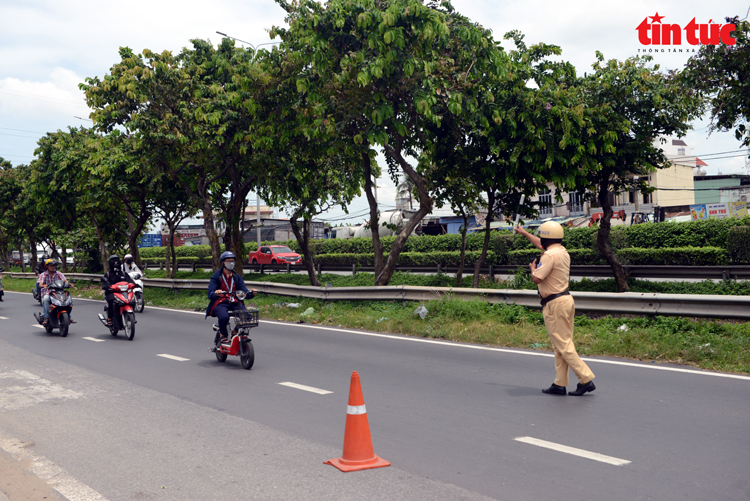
(577, 256)
(406, 259)
(677, 256)
(180, 260)
(738, 244)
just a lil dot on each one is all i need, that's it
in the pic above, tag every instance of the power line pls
(16, 135)
(22, 130)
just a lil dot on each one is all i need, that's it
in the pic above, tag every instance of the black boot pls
(555, 390)
(583, 388)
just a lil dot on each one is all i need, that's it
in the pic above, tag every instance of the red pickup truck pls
(274, 254)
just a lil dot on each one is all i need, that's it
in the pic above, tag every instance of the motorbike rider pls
(40, 268)
(225, 280)
(129, 266)
(1, 284)
(50, 276)
(113, 276)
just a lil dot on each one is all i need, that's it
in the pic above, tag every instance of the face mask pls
(229, 266)
(129, 261)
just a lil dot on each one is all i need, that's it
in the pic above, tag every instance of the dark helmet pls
(114, 262)
(227, 255)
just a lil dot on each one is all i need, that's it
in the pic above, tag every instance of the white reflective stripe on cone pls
(356, 409)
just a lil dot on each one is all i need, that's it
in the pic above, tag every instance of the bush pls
(577, 256)
(738, 244)
(679, 256)
(708, 233)
(406, 259)
(180, 260)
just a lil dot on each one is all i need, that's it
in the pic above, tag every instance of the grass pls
(707, 344)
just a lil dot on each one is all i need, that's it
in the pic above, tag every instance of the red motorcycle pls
(124, 318)
(240, 321)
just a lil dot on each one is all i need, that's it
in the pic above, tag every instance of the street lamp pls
(257, 195)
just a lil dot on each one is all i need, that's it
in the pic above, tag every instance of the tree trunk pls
(171, 253)
(462, 260)
(32, 248)
(425, 207)
(213, 236)
(20, 257)
(602, 238)
(303, 238)
(135, 227)
(64, 258)
(486, 243)
(102, 244)
(377, 245)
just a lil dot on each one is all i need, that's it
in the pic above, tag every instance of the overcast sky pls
(48, 47)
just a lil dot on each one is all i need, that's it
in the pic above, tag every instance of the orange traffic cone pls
(358, 453)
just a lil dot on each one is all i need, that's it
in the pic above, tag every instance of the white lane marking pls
(28, 389)
(38, 326)
(93, 339)
(56, 477)
(306, 388)
(172, 357)
(4, 318)
(517, 352)
(572, 450)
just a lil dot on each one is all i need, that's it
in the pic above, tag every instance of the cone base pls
(346, 465)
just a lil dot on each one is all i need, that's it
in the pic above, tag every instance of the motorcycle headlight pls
(123, 288)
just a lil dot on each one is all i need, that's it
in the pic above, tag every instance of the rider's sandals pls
(46, 322)
(224, 340)
(109, 322)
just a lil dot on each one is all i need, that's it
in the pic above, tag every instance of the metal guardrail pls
(740, 272)
(634, 303)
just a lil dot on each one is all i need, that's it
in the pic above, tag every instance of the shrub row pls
(677, 256)
(406, 259)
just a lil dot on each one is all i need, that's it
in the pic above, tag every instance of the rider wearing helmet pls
(40, 268)
(551, 273)
(224, 282)
(129, 266)
(1, 284)
(113, 276)
(50, 276)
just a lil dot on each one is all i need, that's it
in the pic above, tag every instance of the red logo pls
(658, 33)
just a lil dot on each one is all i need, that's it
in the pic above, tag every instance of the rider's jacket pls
(220, 282)
(112, 277)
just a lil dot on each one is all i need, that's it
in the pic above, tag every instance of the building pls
(674, 188)
(713, 189)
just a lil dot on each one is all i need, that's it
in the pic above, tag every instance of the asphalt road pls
(124, 422)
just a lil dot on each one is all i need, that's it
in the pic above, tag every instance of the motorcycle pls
(1, 282)
(37, 292)
(241, 321)
(139, 301)
(124, 318)
(61, 304)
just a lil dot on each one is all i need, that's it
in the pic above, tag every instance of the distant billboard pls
(698, 212)
(717, 211)
(738, 209)
(150, 240)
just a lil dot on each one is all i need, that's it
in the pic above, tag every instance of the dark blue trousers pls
(221, 312)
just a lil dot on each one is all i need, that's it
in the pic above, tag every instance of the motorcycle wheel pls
(129, 320)
(221, 357)
(64, 323)
(248, 359)
(49, 327)
(140, 304)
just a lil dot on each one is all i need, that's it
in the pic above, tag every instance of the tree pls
(720, 74)
(173, 206)
(9, 190)
(380, 72)
(629, 105)
(516, 141)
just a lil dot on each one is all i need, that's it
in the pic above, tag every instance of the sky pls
(49, 47)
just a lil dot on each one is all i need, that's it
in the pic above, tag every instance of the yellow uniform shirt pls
(554, 271)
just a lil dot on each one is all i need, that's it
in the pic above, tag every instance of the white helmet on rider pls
(128, 258)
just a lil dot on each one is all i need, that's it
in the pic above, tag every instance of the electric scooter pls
(240, 321)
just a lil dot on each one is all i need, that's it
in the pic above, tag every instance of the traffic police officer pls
(551, 273)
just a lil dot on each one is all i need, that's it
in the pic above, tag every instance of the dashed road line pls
(4, 318)
(572, 450)
(38, 326)
(306, 388)
(173, 357)
(93, 339)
